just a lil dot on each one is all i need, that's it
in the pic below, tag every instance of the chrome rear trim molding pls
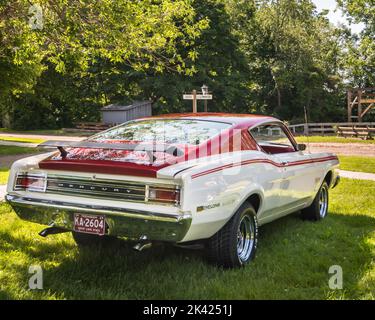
(120, 222)
(167, 217)
(120, 190)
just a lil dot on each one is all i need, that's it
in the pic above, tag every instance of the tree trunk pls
(278, 97)
(277, 89)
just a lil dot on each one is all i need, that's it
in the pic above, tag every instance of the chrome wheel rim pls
(245, 238)
(323, 202)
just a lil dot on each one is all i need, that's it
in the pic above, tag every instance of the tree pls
(260, 56)
(214, 59)
(293, 54)
(360, 58)
(20, 56)
(75, 34)
(218, 62)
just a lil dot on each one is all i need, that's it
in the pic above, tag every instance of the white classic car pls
(204, 178)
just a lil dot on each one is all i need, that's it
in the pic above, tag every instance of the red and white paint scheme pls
(204, 178)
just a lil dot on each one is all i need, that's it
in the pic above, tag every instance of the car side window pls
(272, 139)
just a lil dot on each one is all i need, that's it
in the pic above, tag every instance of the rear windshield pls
(169, 131)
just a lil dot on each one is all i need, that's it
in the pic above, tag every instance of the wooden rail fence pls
(326, 128)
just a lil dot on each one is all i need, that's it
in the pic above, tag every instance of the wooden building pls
(119, 113)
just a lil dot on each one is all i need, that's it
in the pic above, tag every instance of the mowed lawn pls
(10, 151)
(357, 163)
(20, 140)
(46, 132)
(52, 132)
(14, 150)
(4, 172)
(331, 139)
(293, 260)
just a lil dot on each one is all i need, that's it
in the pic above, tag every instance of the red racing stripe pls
(246, 162)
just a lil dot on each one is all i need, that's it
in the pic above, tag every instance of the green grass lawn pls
(13, 150)
(293, 260)
(4, 172)
(21, 140)
(357, 163)
(46, 132)
(331, 139)
(52, 132)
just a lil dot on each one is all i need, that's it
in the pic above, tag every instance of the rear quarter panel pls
(325, 167)
(215, 188)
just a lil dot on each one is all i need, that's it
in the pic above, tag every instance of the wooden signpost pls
(201, 96)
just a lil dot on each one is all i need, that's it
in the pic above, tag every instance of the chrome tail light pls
(164, 194)
(27, 181)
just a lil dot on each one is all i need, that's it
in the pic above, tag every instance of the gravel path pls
(348, 149)
(357, 175)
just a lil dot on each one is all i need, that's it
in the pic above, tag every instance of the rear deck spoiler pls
(149, 148)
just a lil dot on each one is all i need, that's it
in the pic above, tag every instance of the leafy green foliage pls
(75, 34)
(293, 54)
(218, 62)
(360, 58)
(20, 54)
(270, 56)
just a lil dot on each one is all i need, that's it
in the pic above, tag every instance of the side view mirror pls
(301, 147)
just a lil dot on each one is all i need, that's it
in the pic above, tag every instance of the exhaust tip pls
(51, 230)
(140, 246)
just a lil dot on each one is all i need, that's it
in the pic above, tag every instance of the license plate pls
(89, 224)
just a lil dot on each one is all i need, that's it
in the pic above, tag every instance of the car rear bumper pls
(121, 222)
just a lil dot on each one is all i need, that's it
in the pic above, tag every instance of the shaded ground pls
(6, 161)
(293, 260)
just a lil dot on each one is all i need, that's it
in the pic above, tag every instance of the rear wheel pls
(235, 244)
(319, 208)
(87, 240)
